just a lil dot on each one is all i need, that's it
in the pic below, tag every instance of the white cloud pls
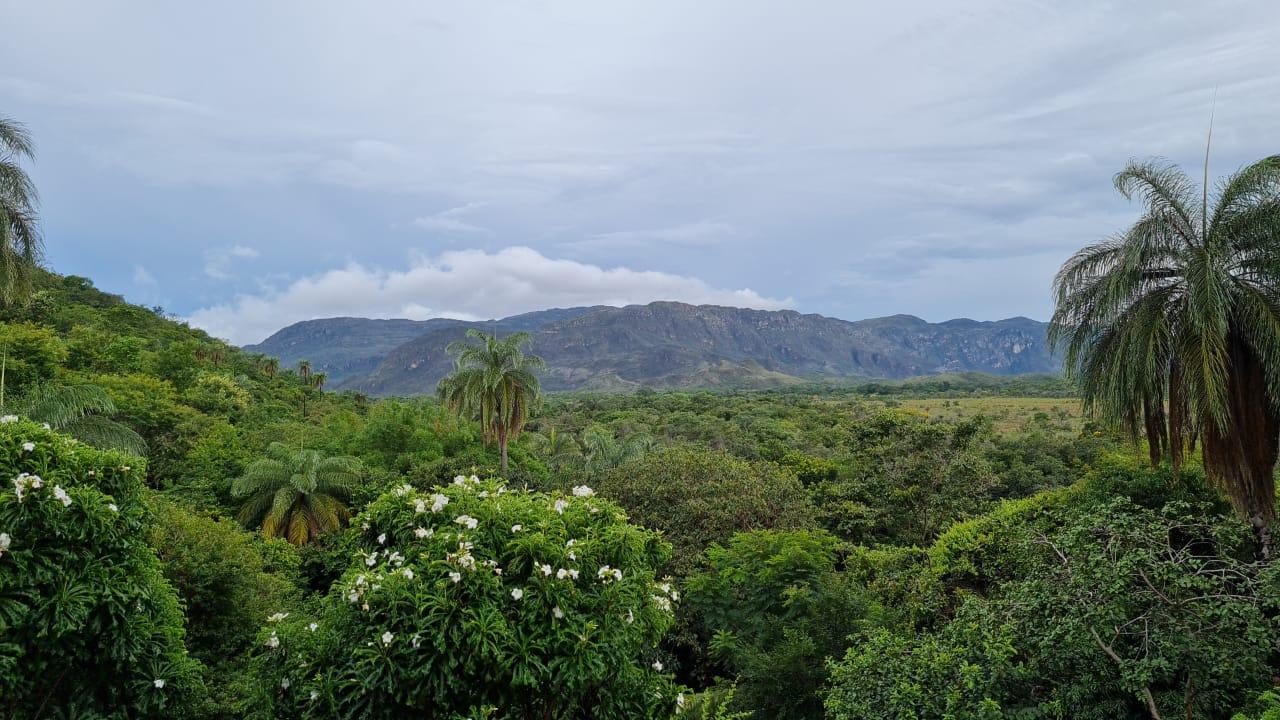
(469, 284)
(141, 276)
(218, 261)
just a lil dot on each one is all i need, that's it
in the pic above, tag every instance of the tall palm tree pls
(19, 233)
(304, 372)
(297, 494)
(270, 366)
(1182, 310)
(495, 382)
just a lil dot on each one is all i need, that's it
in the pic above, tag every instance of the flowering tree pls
(476, 601)
(88, 626)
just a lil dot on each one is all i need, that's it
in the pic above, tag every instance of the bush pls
(88, 624)
(477, 601)
(697, 498)
(774, 608)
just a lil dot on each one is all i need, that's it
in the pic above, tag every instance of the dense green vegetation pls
(190, 530)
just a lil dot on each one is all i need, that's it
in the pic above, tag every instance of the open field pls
(1007, 413)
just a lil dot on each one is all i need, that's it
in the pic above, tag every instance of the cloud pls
(448, 220)
(142, 277)
(468, 284)
(218, 261)
(703, 233)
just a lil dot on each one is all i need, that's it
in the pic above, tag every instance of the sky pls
(247, 165)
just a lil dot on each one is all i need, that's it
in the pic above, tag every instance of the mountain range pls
(667, 345)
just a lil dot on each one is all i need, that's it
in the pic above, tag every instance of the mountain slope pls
(668, 344)
(347, 347)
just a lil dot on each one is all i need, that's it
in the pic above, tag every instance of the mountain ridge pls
(666, 344)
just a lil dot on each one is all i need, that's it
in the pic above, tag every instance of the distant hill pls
(346, 347)
(670, 345)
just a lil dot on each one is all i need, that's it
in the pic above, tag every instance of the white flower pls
(314, 694)
(455, 576)
(680, 700)
(360, 580)
(387, 637)
(62, 495)
(570, 543)
(422, 532)
(631, 617)
(5, 541)
(46, 426)
(438, 502)
(467, 520)
(573, 573)
(484, 493)
(273, 641)
(9, 419)
(420, 506)
(573, 555)
(364, 525)
(371, 560)
(583, 491)
(404, 490)
(546, 569)
(557, 612)
(459, 480)
(313, 627)
(474, 479)
(675, 595)
(657, 665)
(113, 507)
(561, 505)
(517, 594)
(517, 528)
(382, 539)
(608, 574)
(159, 683)
(408, 573)
(278, 617)
(28, 446)
(562, 574)
(284, 683)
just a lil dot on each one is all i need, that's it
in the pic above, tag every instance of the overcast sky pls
(248, 164)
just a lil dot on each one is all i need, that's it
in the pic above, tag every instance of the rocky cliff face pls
(667, 344)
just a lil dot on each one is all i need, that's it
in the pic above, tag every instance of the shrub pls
(697, 497)
(472, 600)
(88, 624)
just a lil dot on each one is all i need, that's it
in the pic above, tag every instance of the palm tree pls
(19, 234)
(602, 450)
(270, 366)
(296, 494)
(1182, 310)
(81, 411)
(558, 448)
(494, 382)
(318, 380)
(304, 372)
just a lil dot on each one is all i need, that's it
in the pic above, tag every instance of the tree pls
(20, 242)
(1182, 310)
(297, 494)
(495, 382)
(475, 600)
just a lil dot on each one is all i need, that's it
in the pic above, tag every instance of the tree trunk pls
(1241, 457)
(1178, 425)
(1156, 428)
(502, 447)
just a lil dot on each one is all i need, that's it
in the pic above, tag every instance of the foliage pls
(476, 599)
(88, 624)
(697, 498)
(296, 494)
(774, 607)
(229, 582)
